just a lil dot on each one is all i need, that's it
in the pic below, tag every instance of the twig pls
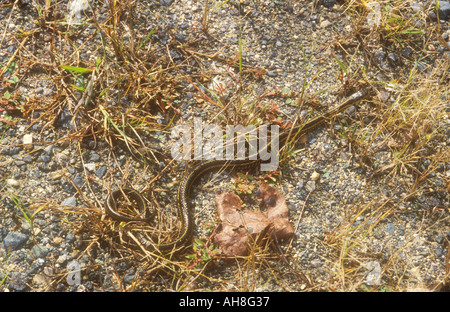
(6, 25)
(13, 56)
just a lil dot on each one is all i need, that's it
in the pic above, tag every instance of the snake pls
(185, 212)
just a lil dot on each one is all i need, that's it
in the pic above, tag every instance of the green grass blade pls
(73, 69)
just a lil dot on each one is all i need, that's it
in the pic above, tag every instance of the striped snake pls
(184, 189)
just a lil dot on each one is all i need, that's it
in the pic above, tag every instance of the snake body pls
(185, 212)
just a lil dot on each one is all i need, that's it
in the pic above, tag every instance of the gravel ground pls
(389, 239)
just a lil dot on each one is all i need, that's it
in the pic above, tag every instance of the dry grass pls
(410, 102)
(402, 139)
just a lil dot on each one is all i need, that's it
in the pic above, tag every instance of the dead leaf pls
(277, 211)
(241, 229)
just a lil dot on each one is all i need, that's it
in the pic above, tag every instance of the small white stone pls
(315, 176)
(325, 24)
(28, 141)
(12, 182)
(374, 275)
(90, 166)
(61, 259)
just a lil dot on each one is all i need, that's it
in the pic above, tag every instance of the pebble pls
(315, 176)
(128, 278)
(28, 141)
(101, 172)
(45, 158)
(49, 150)
(39, 251)
(48, 271)
(57, 240)
(379, 56)
(90, 166)
(15, 150)
(70, 238)
(310, 186)
(393, 58)
(19, 163)
(316, 263)
(14, 241)
(27, 158)
(416, 7)
(12, 182)
(94, 157)
(62, 259)
(166, 2)
(325, 24)
(390, 228)
(350, 110)
(18, 281)
(70, 201)
(41, 279)
(40, 261)
(439, 250)
(328, 3)
(374, 275)
(444, 10)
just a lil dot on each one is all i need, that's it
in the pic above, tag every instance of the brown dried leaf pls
(277, 211)
(241, 229)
